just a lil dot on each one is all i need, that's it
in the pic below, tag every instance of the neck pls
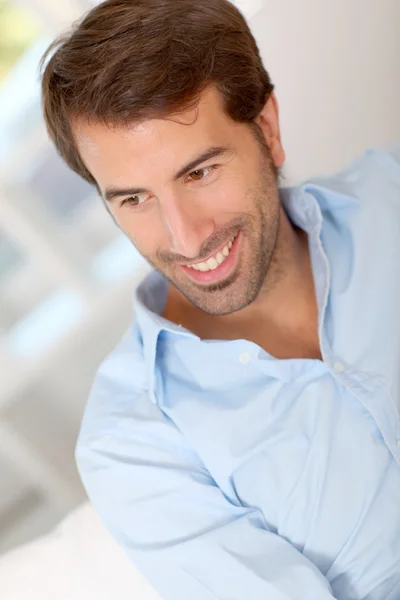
(283, 319)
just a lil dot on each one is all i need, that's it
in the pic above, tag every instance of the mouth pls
(217, 267)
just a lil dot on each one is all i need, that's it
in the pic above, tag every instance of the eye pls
(135, 200)
(197, 174)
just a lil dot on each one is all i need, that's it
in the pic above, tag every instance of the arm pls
(174, 522)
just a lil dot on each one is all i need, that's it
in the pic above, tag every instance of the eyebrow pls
(215, 151)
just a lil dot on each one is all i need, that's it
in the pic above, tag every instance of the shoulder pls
(121, 423)
(375, 167)
(119, 381)
(365, 189)
(393, 154)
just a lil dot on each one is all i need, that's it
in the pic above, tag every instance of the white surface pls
(79, 560)
(336, 69)
(249, 7)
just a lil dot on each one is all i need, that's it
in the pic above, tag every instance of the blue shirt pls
(228, 474)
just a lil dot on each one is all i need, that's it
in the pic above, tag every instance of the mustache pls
(210, 245)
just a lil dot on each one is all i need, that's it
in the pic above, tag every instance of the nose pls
(187, 225)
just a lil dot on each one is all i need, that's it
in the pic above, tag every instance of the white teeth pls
(212, 263)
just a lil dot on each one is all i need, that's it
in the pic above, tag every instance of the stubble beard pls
(259, 231)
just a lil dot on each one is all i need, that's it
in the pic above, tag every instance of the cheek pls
(217, 190)
(230, 197)
(144, 231)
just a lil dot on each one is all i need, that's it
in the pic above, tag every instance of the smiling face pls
(198, 197)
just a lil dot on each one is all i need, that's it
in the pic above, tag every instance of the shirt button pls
(339, 368)
(245, 357)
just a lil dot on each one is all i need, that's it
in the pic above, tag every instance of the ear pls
(268, 121)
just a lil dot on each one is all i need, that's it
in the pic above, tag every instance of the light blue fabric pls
(228, 474)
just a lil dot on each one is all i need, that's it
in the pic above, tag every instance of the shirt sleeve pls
(162, 506)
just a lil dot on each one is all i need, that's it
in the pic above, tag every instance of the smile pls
(214, 261)
(218, 267)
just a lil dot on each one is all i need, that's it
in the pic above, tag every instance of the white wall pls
(336, 67)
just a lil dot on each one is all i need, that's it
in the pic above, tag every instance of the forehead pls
(109, 152)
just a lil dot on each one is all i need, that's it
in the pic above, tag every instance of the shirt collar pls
(304, 205)
(149, 303)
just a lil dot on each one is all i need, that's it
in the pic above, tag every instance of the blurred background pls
(67, 274)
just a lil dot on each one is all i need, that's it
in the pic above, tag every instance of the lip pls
(221, 272)
(211, 255)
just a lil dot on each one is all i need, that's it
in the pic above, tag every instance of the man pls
(243, 439)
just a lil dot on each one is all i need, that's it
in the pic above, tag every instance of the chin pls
(224, 299)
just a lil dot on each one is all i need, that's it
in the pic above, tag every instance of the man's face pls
(209, 225)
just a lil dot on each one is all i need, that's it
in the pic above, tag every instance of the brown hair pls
(132, 60)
